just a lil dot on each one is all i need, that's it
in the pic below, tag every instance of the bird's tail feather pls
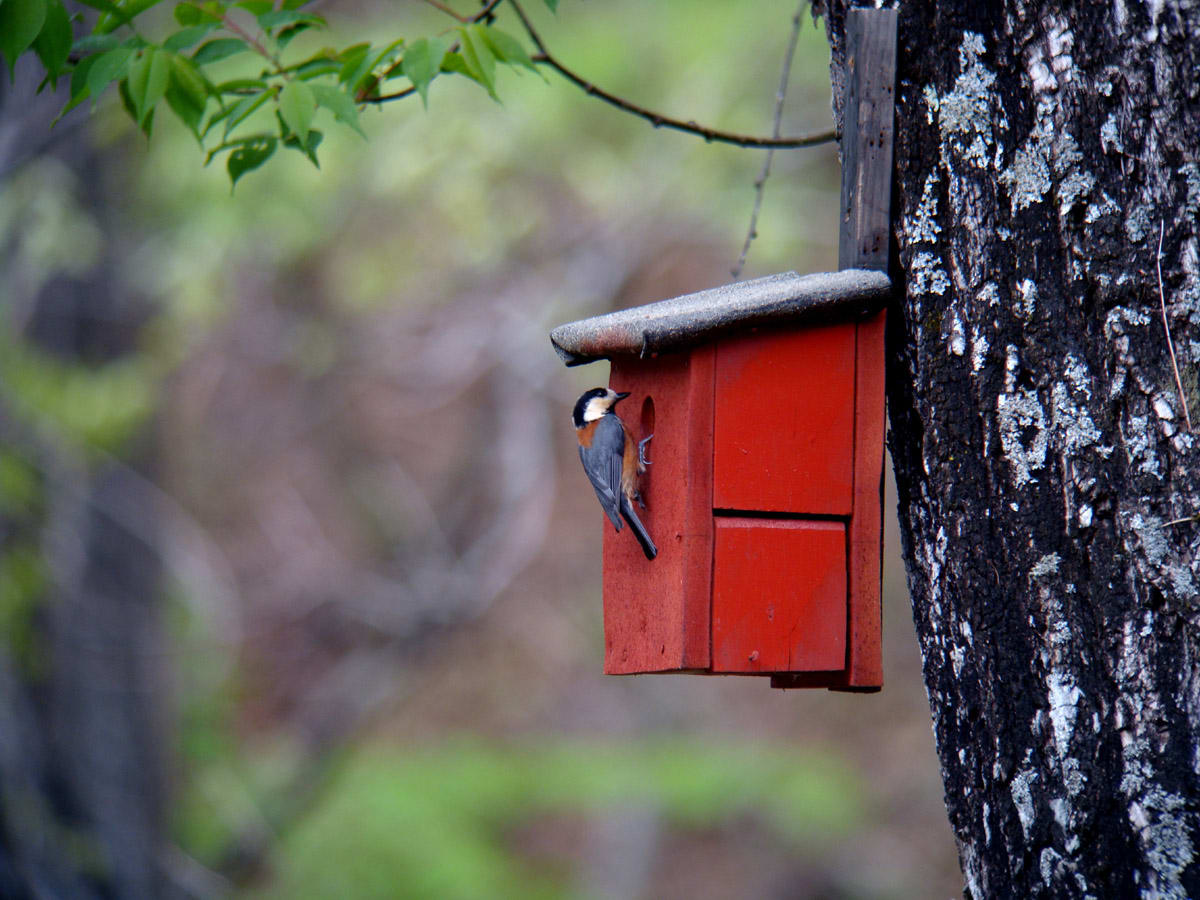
(639, 530)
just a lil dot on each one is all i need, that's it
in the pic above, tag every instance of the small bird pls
(612, 464)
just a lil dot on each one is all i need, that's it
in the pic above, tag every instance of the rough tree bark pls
(1048, 477)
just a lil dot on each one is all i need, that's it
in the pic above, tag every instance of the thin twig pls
(387, 98)
(437, 4)
(234, 28)
(761, 182)
(1162, 300)
(1180, 521)
(466, 20)
(485, 12)
(657, 119)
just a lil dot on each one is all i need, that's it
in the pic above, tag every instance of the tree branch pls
(466, 20)
(387, 98)
(658, 120)
(760, 183)
(485, 12)
(437, 4)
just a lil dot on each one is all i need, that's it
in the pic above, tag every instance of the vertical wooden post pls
(867, 135)
(868, 125)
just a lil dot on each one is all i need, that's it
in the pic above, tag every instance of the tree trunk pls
(82, 758)
(1046, 467)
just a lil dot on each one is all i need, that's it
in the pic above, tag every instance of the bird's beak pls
(621, 395)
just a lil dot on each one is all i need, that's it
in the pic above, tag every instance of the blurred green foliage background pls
(357, 637)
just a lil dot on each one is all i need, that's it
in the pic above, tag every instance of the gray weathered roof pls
(694, 318)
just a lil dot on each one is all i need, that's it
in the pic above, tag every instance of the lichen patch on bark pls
(1047, 479)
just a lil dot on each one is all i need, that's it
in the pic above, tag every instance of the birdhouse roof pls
(692, 319)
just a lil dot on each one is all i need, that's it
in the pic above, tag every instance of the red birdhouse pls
(766, 402)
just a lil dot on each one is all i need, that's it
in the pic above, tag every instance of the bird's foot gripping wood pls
(642, 450)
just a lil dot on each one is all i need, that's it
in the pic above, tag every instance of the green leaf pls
(20, 22)
(296, 105)
(507, 48)
(107, 68)
(350, 58)
(285, 35)
(339, 103)
(480, 62)
(147, 80)
(309, 147)
(188, 14)
(244, 108)
(422, 62)
(95, 43)
(553, 5)
(188, 37)
(53, 43)
(248, 157)
(79, 84)
(130, 107)
(354, 63)
(319, 65)
(187, 92)
(238, 85)
(121, 14)
(270, 20)
(107, 6)
(383, 57)
(218, 49)
(453, 62)
(256, 7)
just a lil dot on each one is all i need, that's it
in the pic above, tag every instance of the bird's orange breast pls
(587, 433)
(629, 465)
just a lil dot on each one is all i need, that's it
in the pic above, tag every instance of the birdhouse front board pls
(763, 495)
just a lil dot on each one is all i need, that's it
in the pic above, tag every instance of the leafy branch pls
(189, 69)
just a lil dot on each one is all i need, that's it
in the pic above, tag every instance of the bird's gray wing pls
(602, 463)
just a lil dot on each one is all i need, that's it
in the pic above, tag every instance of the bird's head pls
(594, 404)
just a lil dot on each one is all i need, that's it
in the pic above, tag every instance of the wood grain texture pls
(656, 613)
(779, 595)
(785, 421)
(867, 137)
(864, 657)
(698, 518)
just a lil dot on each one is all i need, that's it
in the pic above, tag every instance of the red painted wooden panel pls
(779, 595)
(785, 421)
(865, 656)
(656, 613)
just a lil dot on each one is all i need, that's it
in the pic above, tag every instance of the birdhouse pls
(766, 402)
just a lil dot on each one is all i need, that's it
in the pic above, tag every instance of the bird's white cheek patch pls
(595, 408)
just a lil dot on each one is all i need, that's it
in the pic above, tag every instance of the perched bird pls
(611, 461)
